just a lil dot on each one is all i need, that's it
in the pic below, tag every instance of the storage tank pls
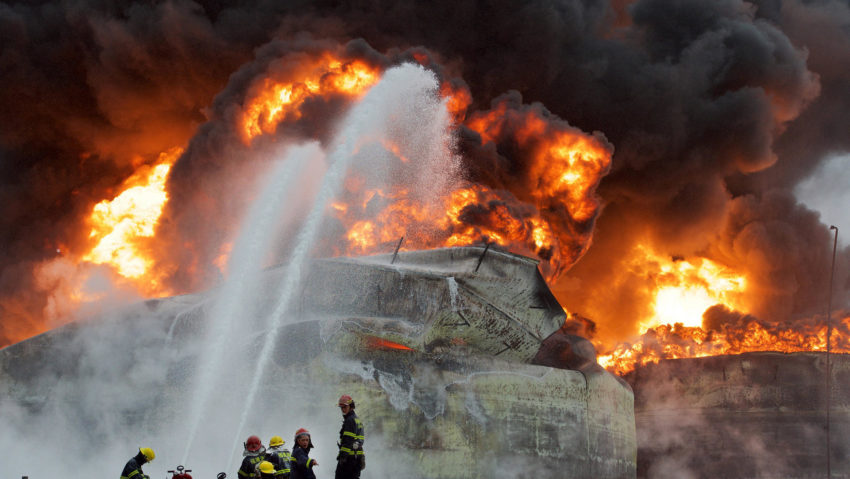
(753, 415)
(456, 358)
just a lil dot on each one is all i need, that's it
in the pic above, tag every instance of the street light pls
(828, 368)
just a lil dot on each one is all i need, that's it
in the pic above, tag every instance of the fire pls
(685, 289)
(374, 342)
(118, 225)
(695, 312)
(570, 166)
(744, 335)
(551, 220)
(566, 165)
(276, 100)
(458, 100)
(500, 225)
(402, 216)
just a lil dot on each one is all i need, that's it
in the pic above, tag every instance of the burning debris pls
(725, 337)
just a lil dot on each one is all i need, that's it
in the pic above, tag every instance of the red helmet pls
(253, 444)
(345, 400)
(303, 432)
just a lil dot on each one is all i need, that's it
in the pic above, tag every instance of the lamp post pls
(828, 369)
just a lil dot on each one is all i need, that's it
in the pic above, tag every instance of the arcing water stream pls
(403, 108)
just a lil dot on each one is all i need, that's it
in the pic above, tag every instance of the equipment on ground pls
(180, 472)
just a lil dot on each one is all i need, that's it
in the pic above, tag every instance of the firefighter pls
(254, 455)
(279, 457)
(350, 459)
(302, 465)
(133, 469)
(267, 470)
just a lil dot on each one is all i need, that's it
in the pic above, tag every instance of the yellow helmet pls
(148, 453)
(276, 441)
(266, 467)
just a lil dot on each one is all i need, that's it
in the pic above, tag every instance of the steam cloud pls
(716, 111)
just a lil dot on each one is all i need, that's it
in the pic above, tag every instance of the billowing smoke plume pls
(715, 111)
(88, 93)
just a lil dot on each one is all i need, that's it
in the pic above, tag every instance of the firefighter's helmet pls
(266, 467)
(148, 453)
(253, 444)
(276, 441)
(345, 400)
(303, 432)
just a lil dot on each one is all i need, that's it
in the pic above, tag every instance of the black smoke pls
(711, 107)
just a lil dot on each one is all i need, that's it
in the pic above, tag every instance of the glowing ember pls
(118, 224)
(374, 342)
(277, 100)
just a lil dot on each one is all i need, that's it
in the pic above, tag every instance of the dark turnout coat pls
(302, 465)
(133, 468)
(350, 457)
(280, 459)
(248, 469)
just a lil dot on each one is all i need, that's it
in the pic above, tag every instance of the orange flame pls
(274, 101)
(570, 166)
(566, 166)
(458, 100)
(684, 289)
(118, 225)
(401, 215)
(374, 342)
(561, 169)
(695, 306)
(750, 334)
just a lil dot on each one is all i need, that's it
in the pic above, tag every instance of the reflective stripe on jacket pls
(133, 468)
(302, 465)
(351, 433)
(248, 470)
(281, 460)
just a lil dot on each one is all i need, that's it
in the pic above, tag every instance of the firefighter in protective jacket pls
(279, 457)
(302, 464)
(254, 455)
(133, 468)
(350, 459)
